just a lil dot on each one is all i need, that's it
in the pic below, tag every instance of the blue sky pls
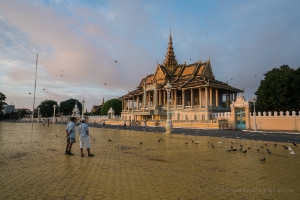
(244, 39)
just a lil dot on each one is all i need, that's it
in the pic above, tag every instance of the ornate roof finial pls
(170, 61)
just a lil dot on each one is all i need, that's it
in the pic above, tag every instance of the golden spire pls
(170, 61)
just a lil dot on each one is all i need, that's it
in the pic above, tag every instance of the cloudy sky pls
(77, 43)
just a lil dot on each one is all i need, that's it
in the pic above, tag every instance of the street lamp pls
(83, 101)
(255, 125)
(54, 107)
(168, 87)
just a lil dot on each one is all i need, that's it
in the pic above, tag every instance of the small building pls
(195, 93)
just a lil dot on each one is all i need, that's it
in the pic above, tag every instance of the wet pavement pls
(33, 166)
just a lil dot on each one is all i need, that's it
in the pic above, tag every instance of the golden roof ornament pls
(170, 61)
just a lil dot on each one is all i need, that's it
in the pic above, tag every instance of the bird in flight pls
(29, 93)
(62, 70)
(104, 83)
(61, 75)
(231, 78)
(116, 61)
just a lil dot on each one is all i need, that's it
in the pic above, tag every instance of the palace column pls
(192, 98)
(217, 97)
(148, 100)
(138, 102)
(182, 98)
(206, 97)
(210, 97)
(128, 103)
(171, 97)
(155, 96)
(144, 97)
(200, 97)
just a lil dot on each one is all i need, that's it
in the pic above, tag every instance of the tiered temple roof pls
(182, 76)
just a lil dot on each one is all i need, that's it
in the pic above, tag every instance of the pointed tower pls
(170, 61)
(103, 101)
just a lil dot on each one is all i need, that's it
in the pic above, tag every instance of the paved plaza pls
(33, 166)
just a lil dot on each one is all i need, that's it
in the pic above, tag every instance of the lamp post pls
(168, 87)
(255, 125)
(54, 107)
(38, 115)
(82, 110)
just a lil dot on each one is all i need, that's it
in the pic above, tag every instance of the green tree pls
(66, 107)
(116, 104)
(2, 104)
(279, 91)
(46, 108)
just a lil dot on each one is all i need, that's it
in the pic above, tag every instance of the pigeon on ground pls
(233, 149)
(295, 144)
(264, 159)
(269, 151)
(249, 147)
(257, 149)
(292, 152)
(186, 143)
(275, 145)
(212, 145)
(109, 140)
(244, 151)
(261, 147)
(207, 142)
(241, 145)
(241, 149)
(141, 143)
(220, 142)
(228, 150)
(266, 144)
(159, 140)
(285, 147)
(197, 142)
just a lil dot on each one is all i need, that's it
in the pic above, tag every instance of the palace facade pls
(195, 94)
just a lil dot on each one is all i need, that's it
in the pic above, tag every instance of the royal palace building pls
(195, 93)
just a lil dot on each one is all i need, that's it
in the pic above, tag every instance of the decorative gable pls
(207, 71)
(159, 75)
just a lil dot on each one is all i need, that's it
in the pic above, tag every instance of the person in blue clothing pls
(70, 130)
(83, 131)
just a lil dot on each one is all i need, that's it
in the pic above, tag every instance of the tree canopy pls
(279, 91)
(46, 108)
(116, 104)
(66, 107)
(2, 104)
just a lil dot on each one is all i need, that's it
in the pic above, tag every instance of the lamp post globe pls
(168, 88)
(255, 125)
(54, 107)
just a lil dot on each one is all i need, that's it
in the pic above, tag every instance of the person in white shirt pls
(70, 130)
(83, 131)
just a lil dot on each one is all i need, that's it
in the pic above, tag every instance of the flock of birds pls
(240, 147)
(261, 147)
